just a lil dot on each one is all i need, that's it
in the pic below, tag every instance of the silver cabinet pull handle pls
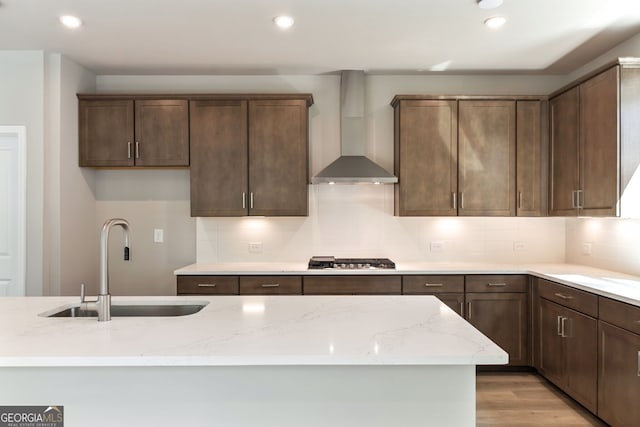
(579, 198)
(206, 285)
(137, 150)
(559, 295)
(251, 200)
(639, 363)
(520, 199)
(462, 200)
(461, 308)
(559, 326)
(128, 149)
(496, 284)
(564, 332)
(244, 200)
(270, 285)
(454, 198)
(468, 310)
(573, 200)
(433, 285)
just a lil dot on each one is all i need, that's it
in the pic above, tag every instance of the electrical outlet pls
(436, 246)
(158, 235)
(519, 246)
(255, 247)
(586, 249)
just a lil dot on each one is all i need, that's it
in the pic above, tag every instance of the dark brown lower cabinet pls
(352, 285)
(207, 285)
(619, 376)
(447, 288)
(568, 351)
(454, 301)
(270, 285)
(504, 318)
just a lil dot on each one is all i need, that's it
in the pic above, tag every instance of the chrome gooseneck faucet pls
(103, 303)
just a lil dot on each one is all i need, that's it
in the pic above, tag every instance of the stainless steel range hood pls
(353, 166)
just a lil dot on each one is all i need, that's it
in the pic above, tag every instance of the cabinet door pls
(599, 144)
(162, 133)
(454, 301)
(487, 158)
(564, 181)
(218, 158)
(551, 360)
(278, 158)
(106, 132)
(618, 376)
(503, 317)
(426, 157)
(531, 119)
(581, 347)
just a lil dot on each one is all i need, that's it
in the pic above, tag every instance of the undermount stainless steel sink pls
(132, 310)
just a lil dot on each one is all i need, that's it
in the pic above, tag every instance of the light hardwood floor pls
(526, 399)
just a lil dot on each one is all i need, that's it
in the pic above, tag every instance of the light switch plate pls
(586, 249)
(158, 235)
(255, 247)
(519, 246)
(436, 246)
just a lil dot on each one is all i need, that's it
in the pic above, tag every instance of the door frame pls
(20, 132)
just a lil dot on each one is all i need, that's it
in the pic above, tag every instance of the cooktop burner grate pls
(321, 262)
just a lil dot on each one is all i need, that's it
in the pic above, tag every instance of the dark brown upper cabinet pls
(124, 132)
(426, 157)
(457, 156)
(531, 157)
(594, 151)
(249, 156)
(487, 158)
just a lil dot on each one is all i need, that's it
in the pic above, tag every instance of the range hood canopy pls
(353, 166)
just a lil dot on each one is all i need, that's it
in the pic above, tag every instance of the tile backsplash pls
(357, 220)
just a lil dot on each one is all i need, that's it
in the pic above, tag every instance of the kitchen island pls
(248, 361)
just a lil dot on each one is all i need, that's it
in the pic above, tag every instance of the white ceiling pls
(379, 36)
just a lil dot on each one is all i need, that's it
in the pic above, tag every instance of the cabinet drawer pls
(497, 283)
(352, 285)
(218, 285)
(431, 284)
(620, 314)
(270, 285)
(582, 301)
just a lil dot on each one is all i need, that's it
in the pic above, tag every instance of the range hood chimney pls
(352, 166)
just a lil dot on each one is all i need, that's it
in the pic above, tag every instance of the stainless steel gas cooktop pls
(322, 262)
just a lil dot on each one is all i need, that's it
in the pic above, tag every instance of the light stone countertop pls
(611, 284)
(247, 330)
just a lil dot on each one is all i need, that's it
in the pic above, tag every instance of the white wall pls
(78, 244)
(70, 255)
(22, 97)
(345, 220)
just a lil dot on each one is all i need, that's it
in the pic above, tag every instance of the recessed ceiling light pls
(70, 21)
(489, 4)
(283, 21)
(495, 22)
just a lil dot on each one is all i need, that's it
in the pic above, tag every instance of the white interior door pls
(12, 210)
